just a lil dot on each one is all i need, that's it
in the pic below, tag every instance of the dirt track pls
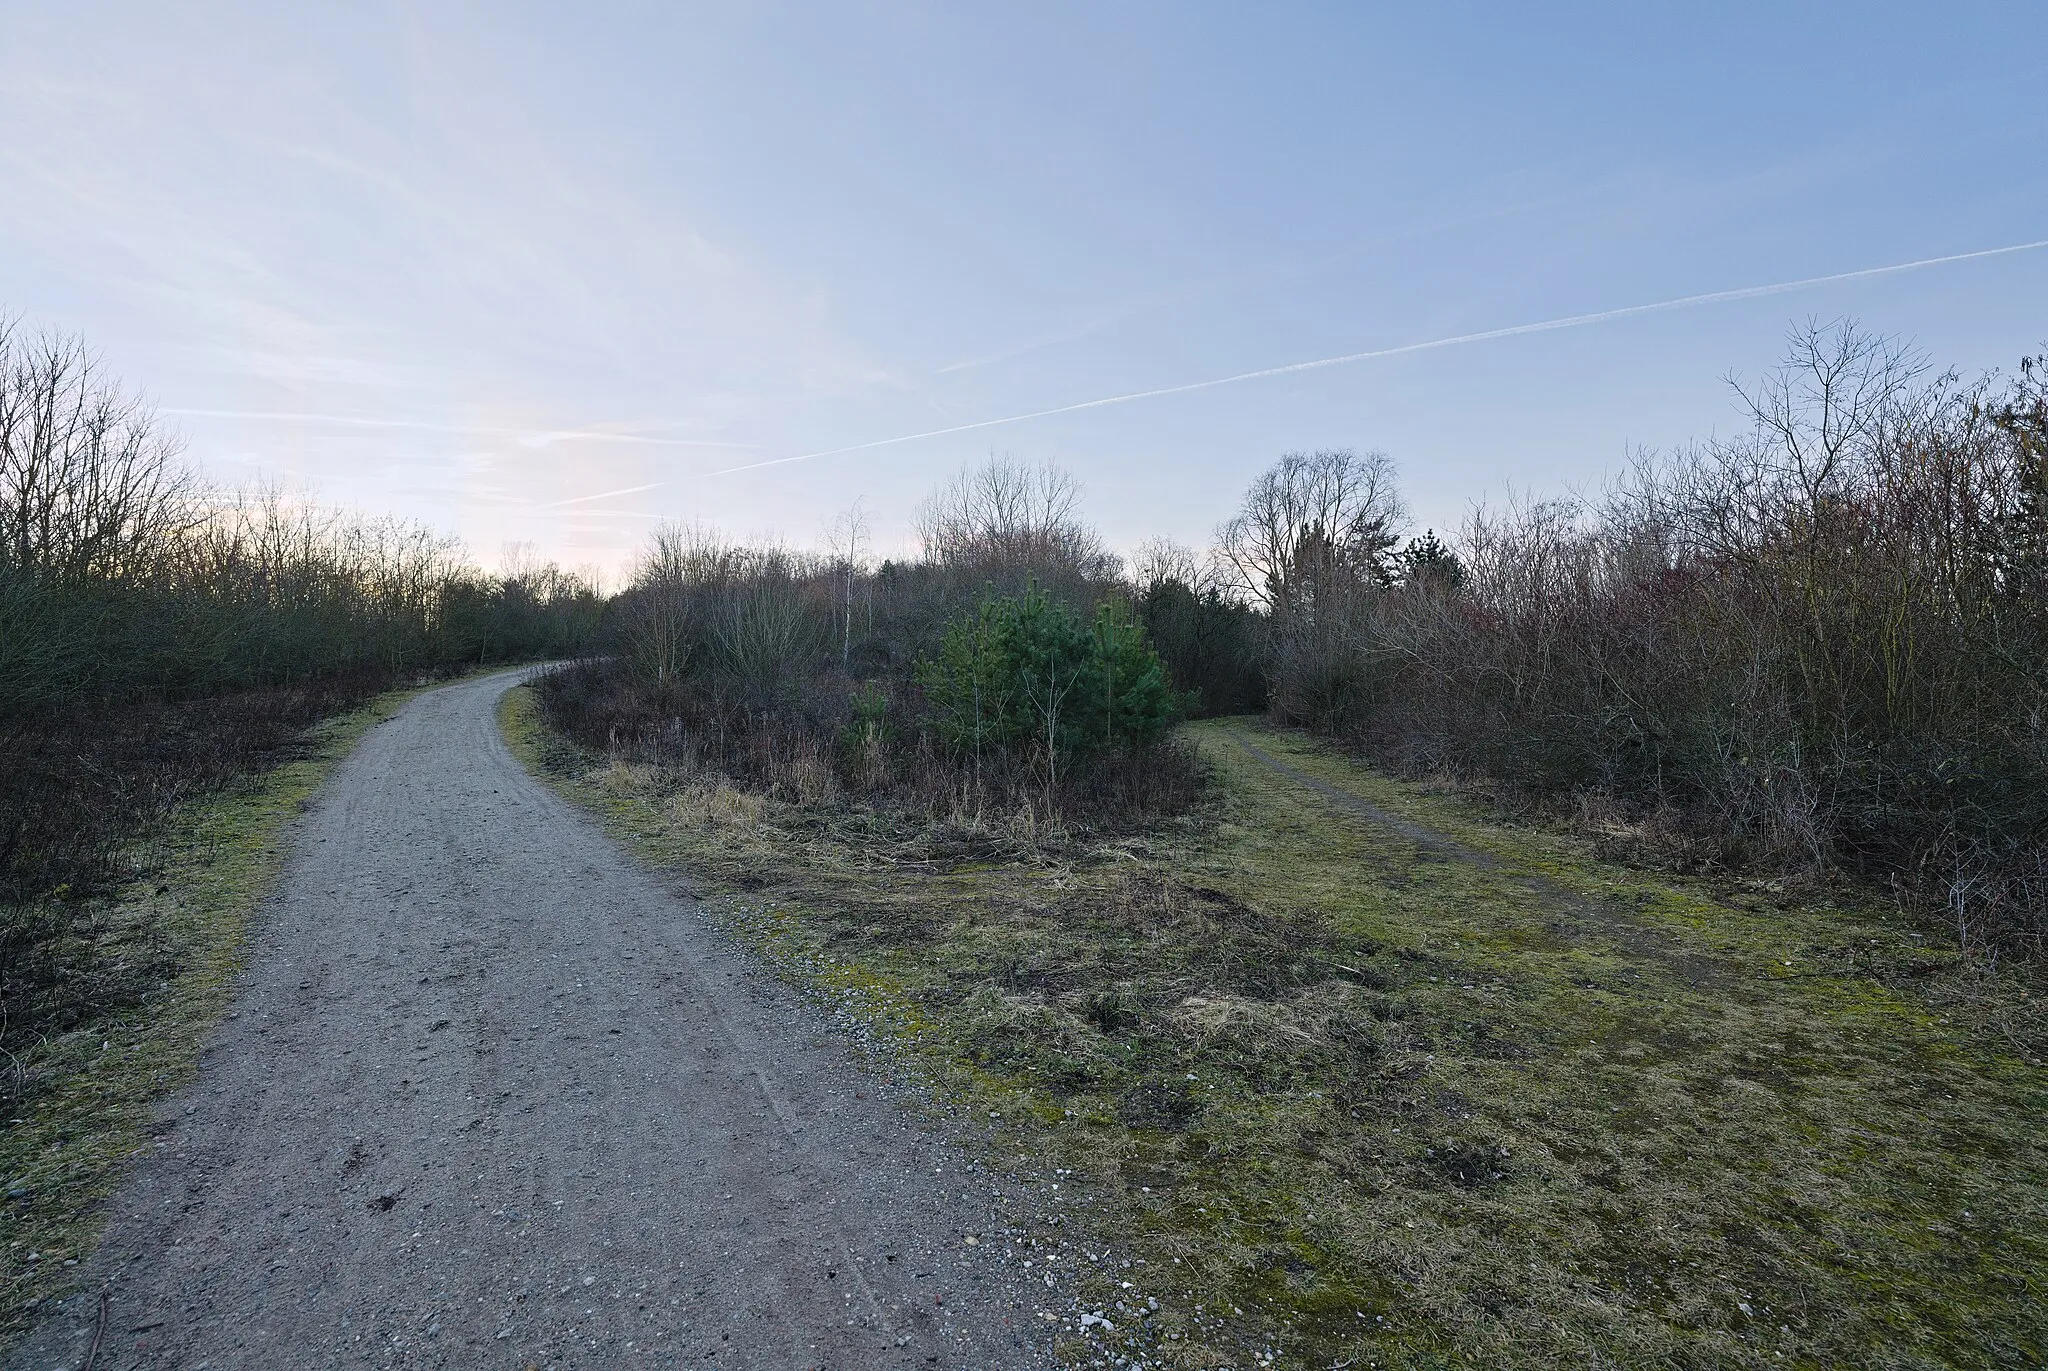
(492, 1097)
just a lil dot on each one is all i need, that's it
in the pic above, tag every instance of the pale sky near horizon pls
(547, 274)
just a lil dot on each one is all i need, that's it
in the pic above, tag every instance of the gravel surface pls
(493, 1097)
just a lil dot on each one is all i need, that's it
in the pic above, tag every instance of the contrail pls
(601, 495)
(1456, 340)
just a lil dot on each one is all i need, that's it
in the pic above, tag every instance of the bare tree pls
(1162, 560)
(1836, 393)
(1312, 523)
(90, 485)
(1009, 514)
(520, 561)
(847, 541)
(667, 625)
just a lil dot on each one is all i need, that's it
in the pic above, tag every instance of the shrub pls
(1025, 675)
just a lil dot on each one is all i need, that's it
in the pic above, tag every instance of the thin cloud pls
(1457, 340)
(527, 436)
(542, 438)
(1035, 344)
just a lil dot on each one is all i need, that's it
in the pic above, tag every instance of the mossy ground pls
(1422, 1088)
(198, 879)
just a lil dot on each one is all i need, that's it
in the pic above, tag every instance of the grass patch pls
(88, 1095)
(1355, 1074)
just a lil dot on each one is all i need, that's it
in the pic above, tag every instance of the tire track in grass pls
(1599, 917)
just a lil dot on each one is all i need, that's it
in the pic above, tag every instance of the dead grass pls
(1484, 1100)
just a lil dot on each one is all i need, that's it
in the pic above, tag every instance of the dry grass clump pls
(718, 806)
(1332, 1024)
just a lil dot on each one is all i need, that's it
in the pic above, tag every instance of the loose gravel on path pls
(492, 1097)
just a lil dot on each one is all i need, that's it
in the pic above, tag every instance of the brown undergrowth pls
(84, 791)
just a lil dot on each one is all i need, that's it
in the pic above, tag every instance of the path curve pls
(493, 1097)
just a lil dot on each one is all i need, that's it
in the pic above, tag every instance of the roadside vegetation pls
(1394, 1084)
(1618, 942)
(1817, 647)
(162, 642)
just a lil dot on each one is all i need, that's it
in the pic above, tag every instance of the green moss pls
(1429, 1088)
(208, 866)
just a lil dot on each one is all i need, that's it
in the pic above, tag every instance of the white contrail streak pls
(1456, 340)
(601, 495)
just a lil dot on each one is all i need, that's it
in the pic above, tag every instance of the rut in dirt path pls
(492, 1097)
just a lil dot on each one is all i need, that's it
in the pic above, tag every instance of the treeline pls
(122, 572)
(158, 636)
(1819, 645)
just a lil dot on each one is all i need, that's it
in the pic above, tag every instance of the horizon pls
(547, 280)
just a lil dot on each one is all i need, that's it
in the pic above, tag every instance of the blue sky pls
(480, 264)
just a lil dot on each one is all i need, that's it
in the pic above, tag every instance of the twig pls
(99, 1327)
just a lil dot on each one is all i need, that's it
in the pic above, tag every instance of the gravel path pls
(493, 1097)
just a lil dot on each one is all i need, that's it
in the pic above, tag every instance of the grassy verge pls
(206, 868)
(1357, 1076)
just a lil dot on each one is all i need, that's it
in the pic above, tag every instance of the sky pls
(546, 275)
